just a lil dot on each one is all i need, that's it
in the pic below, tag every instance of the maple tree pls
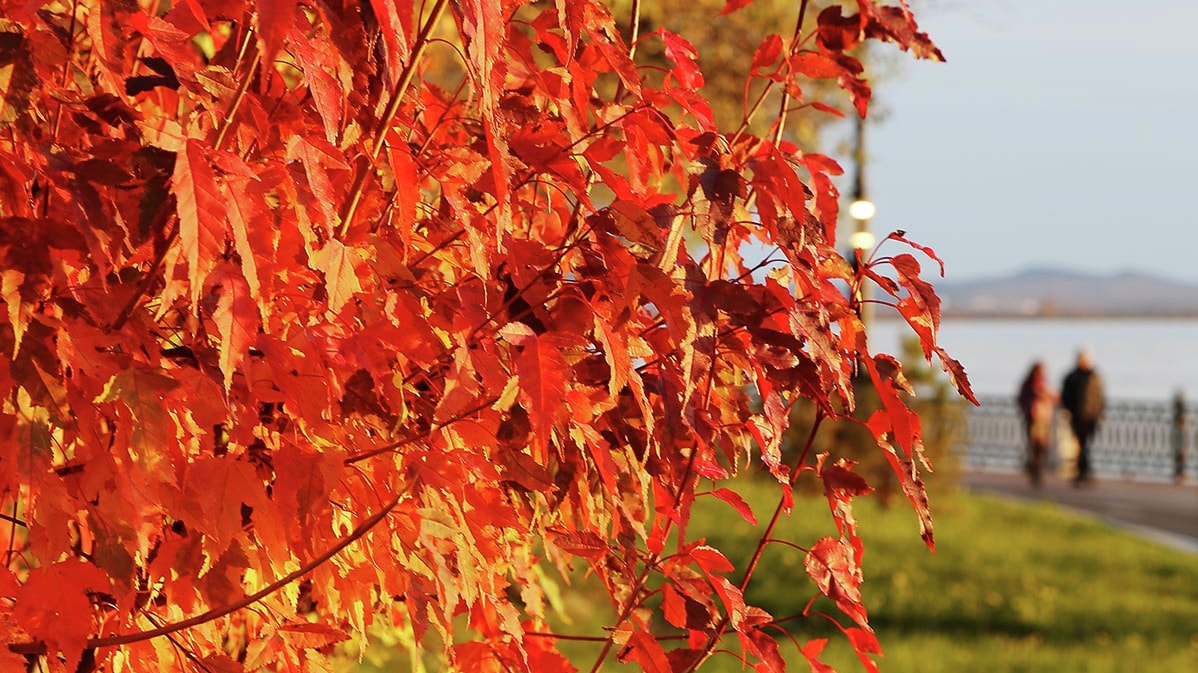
(295, 341)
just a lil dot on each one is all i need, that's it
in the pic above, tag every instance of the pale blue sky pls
(1059, 133)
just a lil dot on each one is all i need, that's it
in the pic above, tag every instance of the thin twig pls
(408, 439)
(380, 138)
(785, 103)
(14, 519)
(635, 33)
(238, 96)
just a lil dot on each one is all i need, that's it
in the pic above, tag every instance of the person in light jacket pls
(1082, 397)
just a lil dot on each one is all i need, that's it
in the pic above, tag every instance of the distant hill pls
(1052, 292)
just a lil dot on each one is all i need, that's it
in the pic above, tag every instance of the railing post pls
(1180, 423)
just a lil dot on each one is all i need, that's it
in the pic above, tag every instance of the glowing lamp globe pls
(862, 240)
(862, 210)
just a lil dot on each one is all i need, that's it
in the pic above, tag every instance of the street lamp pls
(862, 210)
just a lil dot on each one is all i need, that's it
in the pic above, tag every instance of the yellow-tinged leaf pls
(18, 316)
(201, 214)
(142, 389)
(340, 277)
(236, 318)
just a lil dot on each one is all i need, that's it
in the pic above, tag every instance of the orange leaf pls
(317, 156)
(646, 651)
(309, 636)
(201, 213)
(340, 278)
(831, 564)
(738, 503)
(395, 19)
(236, 318)
(54, 606)
(542, 370)
(273, 21)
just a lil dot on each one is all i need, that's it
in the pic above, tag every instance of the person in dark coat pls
(1082, 397)
(1037, 402)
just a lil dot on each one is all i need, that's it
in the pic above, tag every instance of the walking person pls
(1037, 402)
(1082, 397)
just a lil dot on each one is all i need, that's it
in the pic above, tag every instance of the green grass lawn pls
(1011, 588)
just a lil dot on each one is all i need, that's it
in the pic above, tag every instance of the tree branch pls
(216, 613)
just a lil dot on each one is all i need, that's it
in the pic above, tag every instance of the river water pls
(1139, 359)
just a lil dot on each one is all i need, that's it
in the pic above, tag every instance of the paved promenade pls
(1164, 512)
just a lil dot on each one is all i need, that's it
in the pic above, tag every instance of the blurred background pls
(1048, 163)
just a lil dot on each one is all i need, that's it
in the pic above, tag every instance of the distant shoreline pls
(977, 315)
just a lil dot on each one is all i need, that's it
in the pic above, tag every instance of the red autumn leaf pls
(673, 606)
(221, 487)
(201, 213)
(522, 469)
(310, 636)
(711, 560)
(864, 643)
(109, 38)
(543, 148)
(685, 58)
(236, 318)
(732, 598)
(921, 292)
(815, 65)
(582, 543)
(195, 19)
(647, 652)
(273, 21)
(897, 24)
(288, 311)
(141, 389)
(541, 368)
(301, 487)
(824, 107)
(602, 30)
(900, 236)
(738, 503)
(395, 26)
(734, 5)
(407, 183)
(19, 313)
(763, 645)
(245, 209)
(632, 222)
(318, 156)
(831, 564)
(837, 32)
(840, 482)
(811, 651)
(899, 421)
(54, 605)
(319, 64)
(956, 374)
(767, 54)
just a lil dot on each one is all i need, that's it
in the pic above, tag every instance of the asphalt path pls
(1163, 512)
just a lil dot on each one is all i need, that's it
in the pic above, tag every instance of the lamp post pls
(862, 210)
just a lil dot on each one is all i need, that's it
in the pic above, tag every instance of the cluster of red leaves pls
(295, 340)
